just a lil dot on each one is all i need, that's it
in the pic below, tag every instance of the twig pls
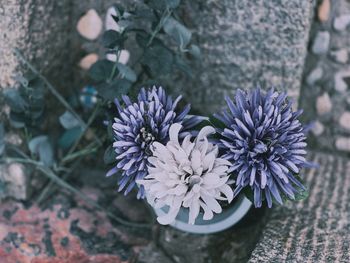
(48, 172)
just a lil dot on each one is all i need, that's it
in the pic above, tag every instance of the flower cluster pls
(188, 175)
(138, 125)
(265, 141)
(261, 148)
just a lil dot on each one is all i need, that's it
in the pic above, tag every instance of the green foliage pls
(2, 139)
(68, 121)
(160, 45)
(69, 137)
(109, 156)
(26, 103)
(41, 146)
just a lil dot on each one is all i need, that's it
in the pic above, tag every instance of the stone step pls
(316, 229)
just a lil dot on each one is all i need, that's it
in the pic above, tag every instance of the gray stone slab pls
(316, 229)
(244, 44)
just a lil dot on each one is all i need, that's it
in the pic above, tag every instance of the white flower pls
(188, 175)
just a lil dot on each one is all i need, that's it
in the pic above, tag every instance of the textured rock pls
(66, 229)
(244, 44)
(316, 229)
(340, 56)
(321, 43)
(90, 25)
(324, 10)
(341, 22)
(314, 76)
(16, 180)
(323, 104)
(344, 120)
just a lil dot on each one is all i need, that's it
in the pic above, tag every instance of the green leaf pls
(178, 32)
(183, 66)
(172, 3)
(14, 100)
(69, 137)
(68, 121)
(302, 194)
(159, 5)
(158, 59)
(46, 153)
(34, 143)
(126, 72)
(2, 139)
(110, 91)
(195, 51)
(41, 146)
(112, 38)
(2, 186)
(217, 123)
(109, 156)
(101, 70)
(24, 82)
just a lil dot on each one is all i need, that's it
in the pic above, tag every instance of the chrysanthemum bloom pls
(265, 142)
(189, 175)
(137, 126)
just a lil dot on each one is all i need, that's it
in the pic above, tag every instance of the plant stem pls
(90, 121)
(115, 66)
(77, 154)
(163, 19)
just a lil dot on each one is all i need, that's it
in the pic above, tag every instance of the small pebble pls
(87, 61)
(344, 120)
(110, 24)
(321, 43)
(123, 58)
(340, 23)
(324, 10)
(314, 76)
(323, 104)
(343, 144)
(339, 82)
(317, 128)
(340, 56)
(90, 25)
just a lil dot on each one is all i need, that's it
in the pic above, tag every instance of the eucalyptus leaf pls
(35, 142)
(14, 100)
(68, 121)
(46, 153)
(195, 51)
(24, 81)
(172, 3)
(115, 89)
(178, 32)
(126, 72)
(2, 139)
(158, 59)
(183, 66)
(109, 156)
(112, 38)
(101, 70)
(69, 137)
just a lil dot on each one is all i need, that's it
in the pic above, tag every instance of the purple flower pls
(137, 126)
(265, 142)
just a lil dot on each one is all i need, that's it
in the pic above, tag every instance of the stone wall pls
(244, 44)
(325, 94)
